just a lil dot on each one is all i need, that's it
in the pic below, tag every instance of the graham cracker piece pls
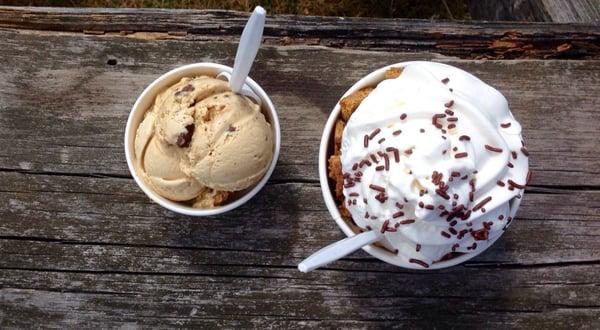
(392, 73)
(335, 173)
(352, 101)
(347, 216)
(337, 136)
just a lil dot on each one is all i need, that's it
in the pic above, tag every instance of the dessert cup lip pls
(377, 252)
(149, 94)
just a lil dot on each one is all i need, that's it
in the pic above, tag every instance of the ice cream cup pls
(146, 99)
(325, 150)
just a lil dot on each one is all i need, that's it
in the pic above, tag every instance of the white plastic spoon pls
(246, 52)
(338, 250)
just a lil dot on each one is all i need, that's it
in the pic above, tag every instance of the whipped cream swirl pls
(435, 160)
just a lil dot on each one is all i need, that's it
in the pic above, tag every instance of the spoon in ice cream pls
(249, 44)
(338, 250)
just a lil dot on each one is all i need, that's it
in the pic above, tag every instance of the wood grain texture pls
(471, 39)
(563, 11)
(557, 11)
(82, 246)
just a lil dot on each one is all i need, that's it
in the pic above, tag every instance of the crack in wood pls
(479, 40)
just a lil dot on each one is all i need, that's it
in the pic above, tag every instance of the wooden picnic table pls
(82, 246)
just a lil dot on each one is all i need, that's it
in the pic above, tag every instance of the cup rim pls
(377, 252)
(150, 92)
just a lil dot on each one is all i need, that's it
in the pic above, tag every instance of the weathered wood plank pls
(81, 103)
(557, 11)
(71, 211)
(567, 11)
(523, 298)
(464, 39)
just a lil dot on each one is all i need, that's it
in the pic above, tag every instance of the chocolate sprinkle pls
(445, 80)
(374, 133)
(514, 154)
(377, 188)
(500, 183)
(480, 235)
(445, 234)
(422, 130)
(452, 119)
(407, 221)
(397, 214)
(418, 262)
(403, 116)
(449, 104)
(464, 138)
(429, 207)
(380, 168)
(483, 202)
(366, 141)
(492, 148)
(384, 226)
(353, 194)
(442, 193)
(452, 231)
(461, 155)
(516, 185)
(418, 248)
(396, 133)
(525, 151)
(510, 165)
(449, 112)
(451, 126)
(505, 125)
(386, 160)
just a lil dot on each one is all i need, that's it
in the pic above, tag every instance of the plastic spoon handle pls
(338, 250)
(247, 49)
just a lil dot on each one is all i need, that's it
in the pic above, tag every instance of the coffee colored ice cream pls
(200, 141)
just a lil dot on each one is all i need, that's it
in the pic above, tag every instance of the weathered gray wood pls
(71, 76)
(75, 210)
(465, 39)
(569, 11)
(558, 11)
(81, 245)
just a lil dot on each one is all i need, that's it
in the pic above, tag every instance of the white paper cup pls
(325, 149)
(146, 99)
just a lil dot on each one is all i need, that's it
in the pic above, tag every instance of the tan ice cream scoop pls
(200, 141)
(160, 164)
(233, 144)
